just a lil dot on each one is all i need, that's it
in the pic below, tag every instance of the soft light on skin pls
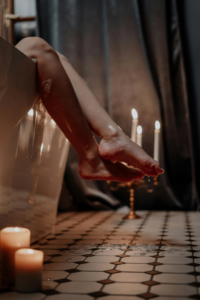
(134, 113)
(53, 122)
(30, 251)
(16, 229)
(30, 112)
(157, 125)
(139, 129)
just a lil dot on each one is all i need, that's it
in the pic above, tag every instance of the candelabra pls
(131, 186)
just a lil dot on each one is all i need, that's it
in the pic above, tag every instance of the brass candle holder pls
(131, 186)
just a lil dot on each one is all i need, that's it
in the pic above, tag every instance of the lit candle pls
(11, 240)
(134, 124)
(139, 136)
(28, 270)
(156, 140)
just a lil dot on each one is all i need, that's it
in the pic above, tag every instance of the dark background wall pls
(190, 24)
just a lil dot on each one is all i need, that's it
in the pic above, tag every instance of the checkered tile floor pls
(98, 255)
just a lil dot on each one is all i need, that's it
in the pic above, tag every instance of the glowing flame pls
(53, 122)
(31, 112)
(134, 113)
(157, 125)
(30, 251)
(16, 229)
(139, 129)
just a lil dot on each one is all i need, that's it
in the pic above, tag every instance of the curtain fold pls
(163, 44)
(130, 54)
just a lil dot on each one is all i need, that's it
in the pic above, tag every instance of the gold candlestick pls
(131, 186)
(131, 215)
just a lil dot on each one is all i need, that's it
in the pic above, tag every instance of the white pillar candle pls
(139, 136)
(12, 239)
(28, 270)
(156, 140)
(134, 124)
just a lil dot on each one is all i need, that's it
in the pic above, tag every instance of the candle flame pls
(157, 125)
(16, 229)
(53, 122)
(134, 113)
(139, 129)
(30, 251)
(31, 112)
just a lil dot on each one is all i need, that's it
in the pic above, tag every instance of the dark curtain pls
(130, 54)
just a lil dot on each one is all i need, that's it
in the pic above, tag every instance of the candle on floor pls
(156, 140)
(28, 270)
(139, 136)
(134, 124)
(12, 239)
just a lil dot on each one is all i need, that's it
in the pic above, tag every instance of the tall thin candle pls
(139, 136)
(156, 140)
(134, 124)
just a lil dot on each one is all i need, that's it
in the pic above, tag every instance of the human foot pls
(121, 148)
(99, 169)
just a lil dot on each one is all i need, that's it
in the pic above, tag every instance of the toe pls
(158, 169)
(137, 173)
(151, 168)
(131, 173)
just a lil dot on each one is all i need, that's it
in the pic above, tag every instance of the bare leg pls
(114, 145)
(60, 100)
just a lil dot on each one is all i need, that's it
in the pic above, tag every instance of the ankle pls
(111, 133)
(90, 157)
